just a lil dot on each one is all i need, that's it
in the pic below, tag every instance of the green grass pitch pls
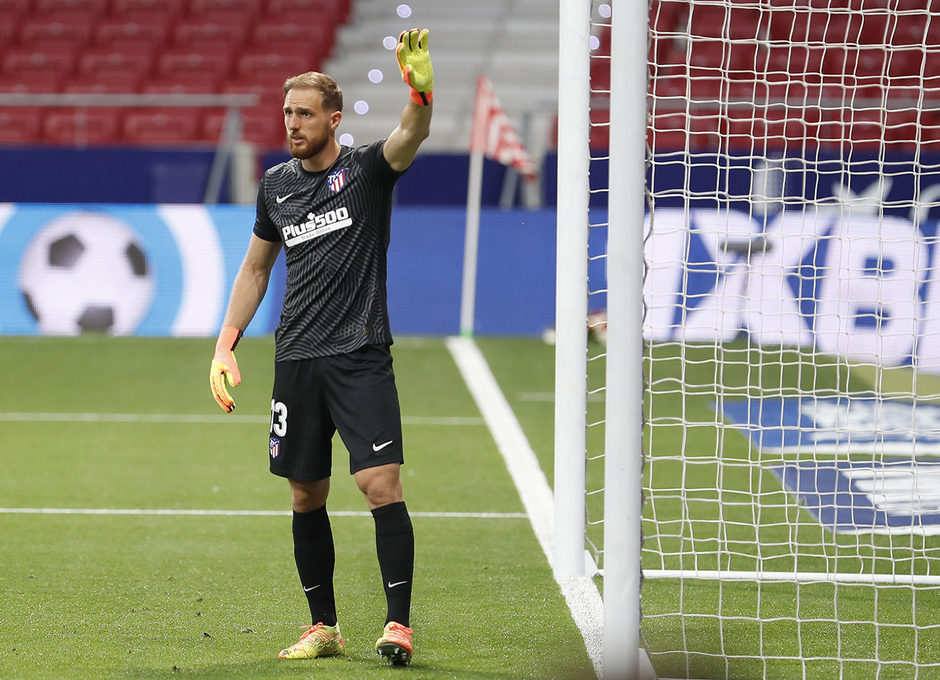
(88, 595)
(210, 596)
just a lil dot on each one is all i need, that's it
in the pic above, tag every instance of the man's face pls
(309, 127)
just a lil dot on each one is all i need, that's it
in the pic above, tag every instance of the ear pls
(335, 118)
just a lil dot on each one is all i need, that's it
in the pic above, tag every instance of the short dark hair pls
(332, 94)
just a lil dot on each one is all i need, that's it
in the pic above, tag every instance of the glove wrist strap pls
(228, 338)
(421, 98)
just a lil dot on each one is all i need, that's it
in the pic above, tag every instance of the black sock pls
(315, 557)
(395, 545)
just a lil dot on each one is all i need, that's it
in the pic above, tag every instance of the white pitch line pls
(244, 513)
(580, 593)
(196, 418)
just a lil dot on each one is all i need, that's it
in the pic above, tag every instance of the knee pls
(309, 496)
(380, 486)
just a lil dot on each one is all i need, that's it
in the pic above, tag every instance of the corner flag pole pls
(493, 136)
(468, 291)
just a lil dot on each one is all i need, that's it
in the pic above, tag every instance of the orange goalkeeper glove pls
(223, 365)
(415, 64)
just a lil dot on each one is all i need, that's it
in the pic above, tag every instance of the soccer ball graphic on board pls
(86, 271)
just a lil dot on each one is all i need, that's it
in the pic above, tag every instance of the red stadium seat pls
(258, 64)
(213, 58)
(911, 29)
(215, 7)
(161, 126)
(14, 7)
(115, 81)
(280, 34)
(36, 82)
(168, 8)
(668, 131)
(331, 12)
(665, 14)
(117, 57)
(73, 28)
(25, 61)
(196, 82)
(213, 28)
(82, 127)
(19, 126)
(261, 126)
(90, 7)
(9, 26)
(133, 27)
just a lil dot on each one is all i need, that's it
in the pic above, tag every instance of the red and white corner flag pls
(493, 134)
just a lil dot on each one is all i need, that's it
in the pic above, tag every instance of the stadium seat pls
(233, 29)
(873, 29)
(151, 28)
(215, 58)
(167, 8)
(113, 81)
(668, 131)
(36, 82)
(910, 29)
(19, 126)
(261, 126)
(73, 28)
(25, 62)
(905, 64)
(90, 7)
(282, 34)
(117, 57)
(9, 27)
(258, 64)
(270, 92)
(331, 12)
(195, 82)
(82, 127)
(161, 126)
(15, 7)
(216, 7)
(665, 14)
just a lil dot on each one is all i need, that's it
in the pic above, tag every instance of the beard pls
(308, 148)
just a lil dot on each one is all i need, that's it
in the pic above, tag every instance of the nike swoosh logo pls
(379, 447)
(281, 199)
(400, 583)
(307, 590)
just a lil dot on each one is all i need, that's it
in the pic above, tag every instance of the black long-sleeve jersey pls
(335, 226)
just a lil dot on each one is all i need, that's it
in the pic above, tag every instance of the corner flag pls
(493, 135)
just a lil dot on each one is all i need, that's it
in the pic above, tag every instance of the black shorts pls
(353, 394)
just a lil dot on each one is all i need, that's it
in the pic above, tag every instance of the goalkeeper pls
(329, 209)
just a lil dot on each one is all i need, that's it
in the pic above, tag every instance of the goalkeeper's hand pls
(223, 365)
(415, 64)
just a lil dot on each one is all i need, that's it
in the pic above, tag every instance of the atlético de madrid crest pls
(336, 180)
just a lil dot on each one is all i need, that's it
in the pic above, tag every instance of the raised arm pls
(417, 72)
(251, 282)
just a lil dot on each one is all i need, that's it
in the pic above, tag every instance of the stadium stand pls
(155, 47)
(238, 46)
(845, 65)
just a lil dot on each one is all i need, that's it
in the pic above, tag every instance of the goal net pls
(791, 327)
(793, 351)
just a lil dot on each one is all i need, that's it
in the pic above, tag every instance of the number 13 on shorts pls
(278, 418)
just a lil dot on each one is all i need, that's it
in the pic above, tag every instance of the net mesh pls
(793, 357)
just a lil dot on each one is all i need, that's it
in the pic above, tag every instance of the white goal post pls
(790, 347)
